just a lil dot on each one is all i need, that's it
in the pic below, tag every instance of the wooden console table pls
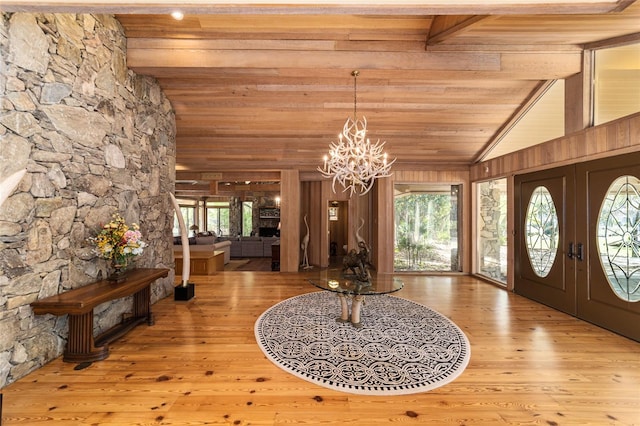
(80, 302)
(202, 262)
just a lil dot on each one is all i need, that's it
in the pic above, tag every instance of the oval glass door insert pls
(619, 237)
(541, 225)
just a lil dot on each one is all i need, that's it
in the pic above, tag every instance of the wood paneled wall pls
(316, 196)
(289, 219)
(614, 138)
(311, 206)
(383, 226)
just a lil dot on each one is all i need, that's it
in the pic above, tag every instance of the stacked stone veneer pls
(490, 208)
(95, 138)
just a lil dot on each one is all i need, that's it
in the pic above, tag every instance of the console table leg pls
(80, 343)
(142, 305)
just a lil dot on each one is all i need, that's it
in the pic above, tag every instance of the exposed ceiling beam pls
(227, 176)
(520, 65)
(613, 42)
(623, 4)
(444, 27)
(213, 58)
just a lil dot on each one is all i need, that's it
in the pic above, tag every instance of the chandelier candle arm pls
(354, 162)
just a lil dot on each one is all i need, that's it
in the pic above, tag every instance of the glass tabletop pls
(334, 280)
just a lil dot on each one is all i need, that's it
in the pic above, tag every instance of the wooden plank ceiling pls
(267, 88)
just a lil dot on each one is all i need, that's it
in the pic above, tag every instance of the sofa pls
(204, 243)
(252, 246)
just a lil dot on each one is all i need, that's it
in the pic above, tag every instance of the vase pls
(118, 272)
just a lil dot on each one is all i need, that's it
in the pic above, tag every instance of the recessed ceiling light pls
(177, 15)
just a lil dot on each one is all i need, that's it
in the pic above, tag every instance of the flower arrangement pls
(118, 241)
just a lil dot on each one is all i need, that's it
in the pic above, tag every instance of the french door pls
(609, 290)
(578, 241)
(545, 238)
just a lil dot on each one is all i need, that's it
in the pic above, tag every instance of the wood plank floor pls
(200, 364)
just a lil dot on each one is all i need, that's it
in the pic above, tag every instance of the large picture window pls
(247, 218)
(426, 227)
(218, 217)
(188, 210)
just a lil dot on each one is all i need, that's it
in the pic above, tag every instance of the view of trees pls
(218, 217)
(423, 237)
(247, 218)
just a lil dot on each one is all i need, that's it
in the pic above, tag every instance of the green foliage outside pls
(218, 217)
(247, 218)
(423, 232)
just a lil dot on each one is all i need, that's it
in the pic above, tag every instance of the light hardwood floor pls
(200, 364)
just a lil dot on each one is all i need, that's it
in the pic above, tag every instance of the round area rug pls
(402, 348)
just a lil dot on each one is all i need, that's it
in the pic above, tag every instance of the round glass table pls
(348, 287)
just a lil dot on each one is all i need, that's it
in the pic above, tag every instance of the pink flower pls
(132, 236)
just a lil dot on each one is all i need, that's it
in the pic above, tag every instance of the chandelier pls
(354, 161)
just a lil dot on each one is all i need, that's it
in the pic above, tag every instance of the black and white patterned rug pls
(402, 348)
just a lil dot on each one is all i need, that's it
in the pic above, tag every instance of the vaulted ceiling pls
(264, 88)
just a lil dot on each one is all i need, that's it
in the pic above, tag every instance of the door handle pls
(579, 252)
(570, 254)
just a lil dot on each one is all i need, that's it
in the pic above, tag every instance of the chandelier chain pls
(354, 161)
(355, 94)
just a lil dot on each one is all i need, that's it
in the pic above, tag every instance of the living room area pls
(241, 223)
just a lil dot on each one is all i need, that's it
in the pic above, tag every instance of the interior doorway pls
(338, 230)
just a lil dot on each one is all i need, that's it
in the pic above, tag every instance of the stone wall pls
(491, 207)
(95, 138)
